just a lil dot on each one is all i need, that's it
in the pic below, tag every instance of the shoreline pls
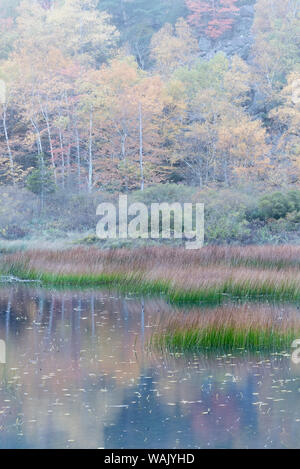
(207, 275)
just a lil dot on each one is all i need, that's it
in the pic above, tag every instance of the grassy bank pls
(208, 276)
(228, 328)
(184, 276)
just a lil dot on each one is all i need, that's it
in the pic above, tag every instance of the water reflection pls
(78, 376)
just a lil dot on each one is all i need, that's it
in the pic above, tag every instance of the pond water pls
(78, 375)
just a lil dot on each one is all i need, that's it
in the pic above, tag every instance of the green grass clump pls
(138, 283)
(191, 340)
(234, 326)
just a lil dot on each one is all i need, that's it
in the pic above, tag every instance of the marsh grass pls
(208, 275)
(232, 327)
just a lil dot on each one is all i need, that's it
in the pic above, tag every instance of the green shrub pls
(277, 205)
(164, 193)
(17, 209)
(273, 206)
(225, 215)
(40, 181)
(293, 198)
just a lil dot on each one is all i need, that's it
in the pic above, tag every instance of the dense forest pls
(122, 95)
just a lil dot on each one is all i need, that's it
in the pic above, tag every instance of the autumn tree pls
(12, 169)
(44, 88)
(286, 119)
(45, 69)
(75, 27)
(7, 30)
(127, 106)
(138, 20)
(276, 47)
(86, 114)
(223, 143)
(212, 17)
(218, 140)
(173, 47)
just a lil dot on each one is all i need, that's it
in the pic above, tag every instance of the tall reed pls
(230, 327)
(209, 274)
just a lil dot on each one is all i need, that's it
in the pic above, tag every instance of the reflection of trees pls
(146, 422)
(53, 328)
(78, 357)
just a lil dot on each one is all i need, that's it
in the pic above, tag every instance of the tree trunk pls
(78, 155)
(42, 173)
(90, 176)
(38, 136)
(46, 117)
(69, 139)
(11, 161)
(62, 157)
(141, 147)
(51, 147)
(226, 179)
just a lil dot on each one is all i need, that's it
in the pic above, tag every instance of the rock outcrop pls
(238, 41)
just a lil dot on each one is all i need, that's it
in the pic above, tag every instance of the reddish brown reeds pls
(184, 275)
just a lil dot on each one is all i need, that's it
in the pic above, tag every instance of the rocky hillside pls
(237, 41)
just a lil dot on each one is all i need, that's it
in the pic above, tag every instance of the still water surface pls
(78, 375)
